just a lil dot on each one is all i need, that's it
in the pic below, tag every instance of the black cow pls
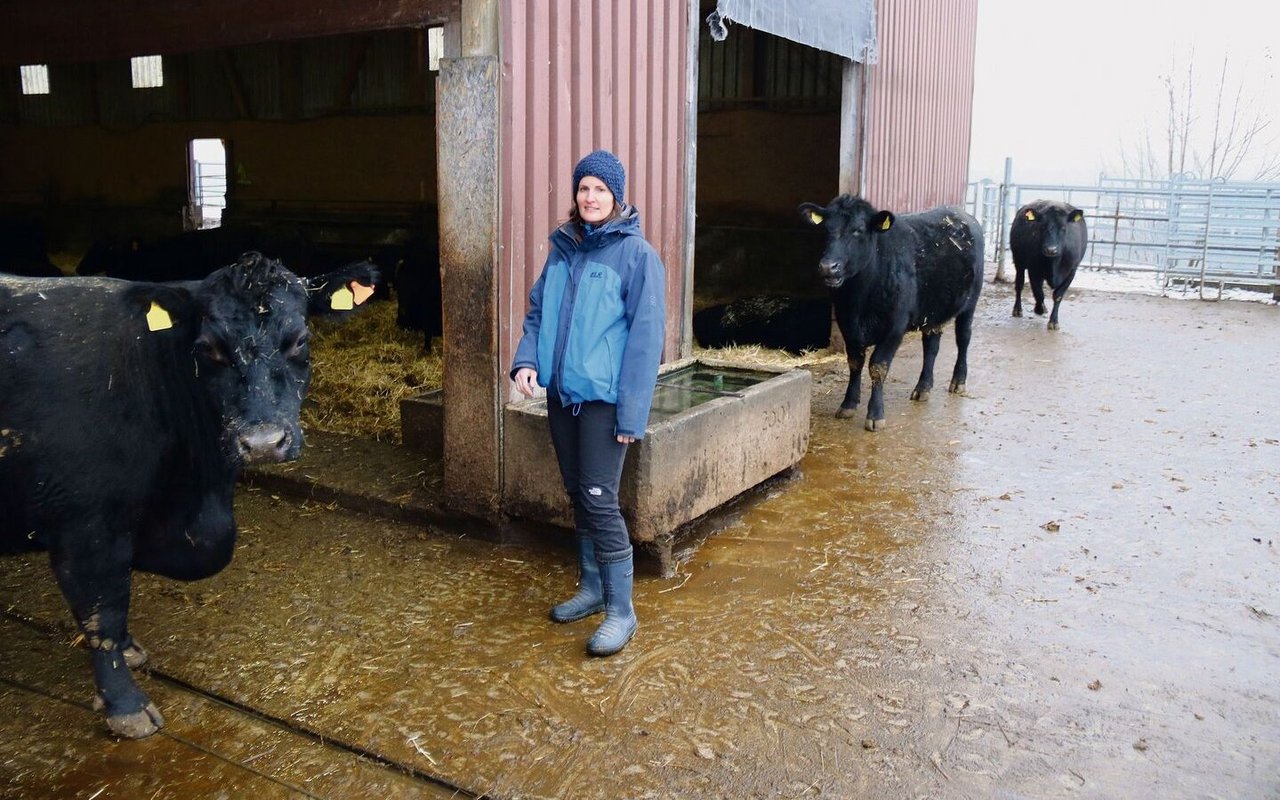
(192, 255)
(24, 249)
(889, 275)
(418, 288)
(1048, 239)
(127, 412)
(782, 322)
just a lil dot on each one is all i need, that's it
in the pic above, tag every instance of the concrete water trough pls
(714, 432)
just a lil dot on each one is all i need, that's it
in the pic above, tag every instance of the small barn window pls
(435, 48)
(207, 191)
(35, 78)
(148, 72)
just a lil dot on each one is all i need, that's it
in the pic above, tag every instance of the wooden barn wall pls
(575, 77)
(768, 127)
(756, 165)
(334, 124)
(94, 180)
(919, 104)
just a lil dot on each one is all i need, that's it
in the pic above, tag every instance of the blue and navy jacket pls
(597, 319)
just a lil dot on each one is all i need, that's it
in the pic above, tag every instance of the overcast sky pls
(1061, 87)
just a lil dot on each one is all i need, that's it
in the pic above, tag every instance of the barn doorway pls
(316, 151)
(768, 139)
(206, 183)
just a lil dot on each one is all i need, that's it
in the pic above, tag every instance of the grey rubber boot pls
(617, 574)
(590, 597)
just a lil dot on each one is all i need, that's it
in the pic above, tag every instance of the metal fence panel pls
(1183, 232)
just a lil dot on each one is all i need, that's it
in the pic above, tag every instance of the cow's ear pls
(343, 290)
(160, 307)
(1029, 215)
(1076, 216)
(813, 214)
(882, 221)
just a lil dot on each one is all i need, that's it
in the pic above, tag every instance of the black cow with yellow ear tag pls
(128, 412)
(890, 274)
(1048, 239)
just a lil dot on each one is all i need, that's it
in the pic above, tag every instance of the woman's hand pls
(623, 439)
(526, 378)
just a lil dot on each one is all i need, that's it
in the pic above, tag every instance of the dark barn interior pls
(768, 136)
(329, 141)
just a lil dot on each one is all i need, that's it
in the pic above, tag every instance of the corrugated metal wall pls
(919, 105)
(575, 77)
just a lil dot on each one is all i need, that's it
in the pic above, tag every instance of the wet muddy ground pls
(1064, 584)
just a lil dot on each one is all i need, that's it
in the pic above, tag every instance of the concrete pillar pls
(467, 122)
(851, 97)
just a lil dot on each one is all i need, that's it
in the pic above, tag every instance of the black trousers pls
(591, 459)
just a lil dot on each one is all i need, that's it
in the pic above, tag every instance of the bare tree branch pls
(1230, 137)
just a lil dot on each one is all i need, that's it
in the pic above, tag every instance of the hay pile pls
(361, 368)
(749, 356)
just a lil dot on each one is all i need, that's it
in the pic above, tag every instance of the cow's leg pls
(881, 358)
(853, 392)
(96, 586)
(931, 338)
(964, 332)
(1020, 275)
(1058, 294)
(1037, 290)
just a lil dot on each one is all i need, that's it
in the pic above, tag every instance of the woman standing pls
(593, 337)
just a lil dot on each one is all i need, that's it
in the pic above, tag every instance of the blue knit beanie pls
(603, 165)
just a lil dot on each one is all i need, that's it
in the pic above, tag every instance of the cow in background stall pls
(1047, 239)
(24, 249)
(781, 322)
(890, 274)
(128, 411)
(419, 294)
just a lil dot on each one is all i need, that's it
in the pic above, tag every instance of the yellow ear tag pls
(815, 217)
(360, 292)
(884, 226)
(158, 319)
(342, 300)
(1030, 215)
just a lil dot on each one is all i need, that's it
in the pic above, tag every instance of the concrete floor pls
(1064, 584)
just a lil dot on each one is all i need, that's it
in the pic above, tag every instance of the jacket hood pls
(573, 235)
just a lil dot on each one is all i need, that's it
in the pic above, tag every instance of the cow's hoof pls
(956, 388)
(1017, 312)
(920, 394)
(135, 655)
(138, 725)
(846, 413)
(1053, 326)
(874, 425)
(1039, 311)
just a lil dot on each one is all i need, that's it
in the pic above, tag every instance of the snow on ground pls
(1105, 279)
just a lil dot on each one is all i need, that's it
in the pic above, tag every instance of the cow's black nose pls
(1051, 251)
(263, 444)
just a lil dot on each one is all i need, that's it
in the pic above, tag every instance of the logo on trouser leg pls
(595, 491)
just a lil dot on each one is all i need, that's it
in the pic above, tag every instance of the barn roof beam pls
(64, 31)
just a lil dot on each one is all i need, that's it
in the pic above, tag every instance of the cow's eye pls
(212, 351)
(296, 346)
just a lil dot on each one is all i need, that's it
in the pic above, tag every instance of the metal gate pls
(1188, 233)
